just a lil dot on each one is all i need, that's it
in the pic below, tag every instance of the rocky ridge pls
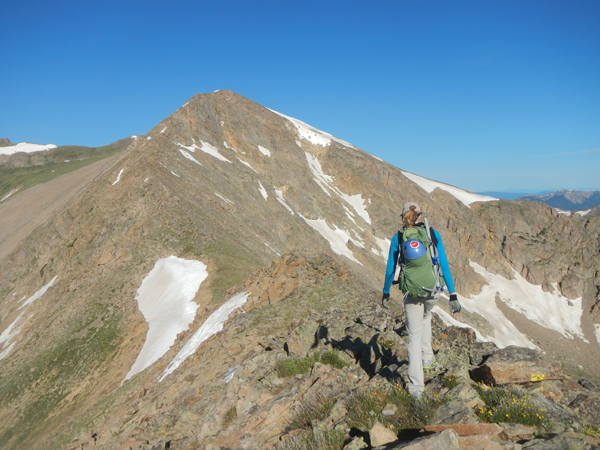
(306, 305)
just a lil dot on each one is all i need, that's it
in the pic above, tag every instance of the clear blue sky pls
(484, 95)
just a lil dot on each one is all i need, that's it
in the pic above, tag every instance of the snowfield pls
(325, 182)
(206, 148)
(118, 177)
(15, 327)
(210, 327)
(548, 309)
(25, 147)
(311, 134)
(337, 238)
(597, 326)
(464, 196)
(38, 294)
(165, 298)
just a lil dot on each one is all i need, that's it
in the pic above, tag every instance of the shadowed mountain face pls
(233, 185)
(568, 200)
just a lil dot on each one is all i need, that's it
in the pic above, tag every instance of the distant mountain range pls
(567, 199)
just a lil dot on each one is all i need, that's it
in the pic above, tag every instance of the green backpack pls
(418, 276)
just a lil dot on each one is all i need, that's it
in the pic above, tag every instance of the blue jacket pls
(393, 261)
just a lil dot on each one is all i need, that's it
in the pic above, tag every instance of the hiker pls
(424, 270)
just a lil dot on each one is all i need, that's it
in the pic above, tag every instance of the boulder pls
(559, 442)
(464, 429)
(381, 435)
(455, 412)
(446, 440)
(515, 365)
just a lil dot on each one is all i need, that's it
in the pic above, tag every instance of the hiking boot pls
(429, 363)
(385, 303)
(417, 395)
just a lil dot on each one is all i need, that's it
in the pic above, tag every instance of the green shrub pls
(509, 405)
(450, 381)
(289, 367)
(334, 359)
(365, 408)
(229, 417)
(314, 408)
(315, 440)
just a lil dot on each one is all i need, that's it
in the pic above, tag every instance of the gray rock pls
(559, 442)
(381, 435)
(446, 440)
(456, 411)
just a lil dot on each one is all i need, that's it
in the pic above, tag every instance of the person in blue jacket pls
(418, 310)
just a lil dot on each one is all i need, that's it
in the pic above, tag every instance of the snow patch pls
(163, 130)
(9, 194)
(264, 151)
(206, 148)
(262, 190)
(384, 248)
(464, 196)
(225, 199)
(165, 298)
(548, 309)
(188, 156)
(174, 174)
(226, 145)
(337, 238)
(311, 134)
(597, 326)
(272, 249)
(280, 199)
(560, 211)
(38, 294)
(210, 327)
(584, 213)
(25, 147)
(246, 164)
(118, 177)
(326, 182)
(8, 334)
(229, 375)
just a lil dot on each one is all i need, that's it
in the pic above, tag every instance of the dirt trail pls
(21, 214)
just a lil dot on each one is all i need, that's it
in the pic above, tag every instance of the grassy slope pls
(33, 169)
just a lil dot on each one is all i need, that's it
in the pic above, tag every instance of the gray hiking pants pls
(418, 325)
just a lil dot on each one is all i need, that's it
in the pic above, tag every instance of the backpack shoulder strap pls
(432, 237)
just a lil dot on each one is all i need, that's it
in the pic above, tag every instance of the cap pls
(407, 206)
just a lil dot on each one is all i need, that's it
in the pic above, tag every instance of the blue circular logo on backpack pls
(413, 249)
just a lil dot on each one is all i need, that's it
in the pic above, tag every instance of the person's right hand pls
(384, 301)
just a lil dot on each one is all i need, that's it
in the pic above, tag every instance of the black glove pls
(454, 305)
(384, 301)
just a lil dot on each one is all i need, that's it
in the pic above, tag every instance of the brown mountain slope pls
(234, 185)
